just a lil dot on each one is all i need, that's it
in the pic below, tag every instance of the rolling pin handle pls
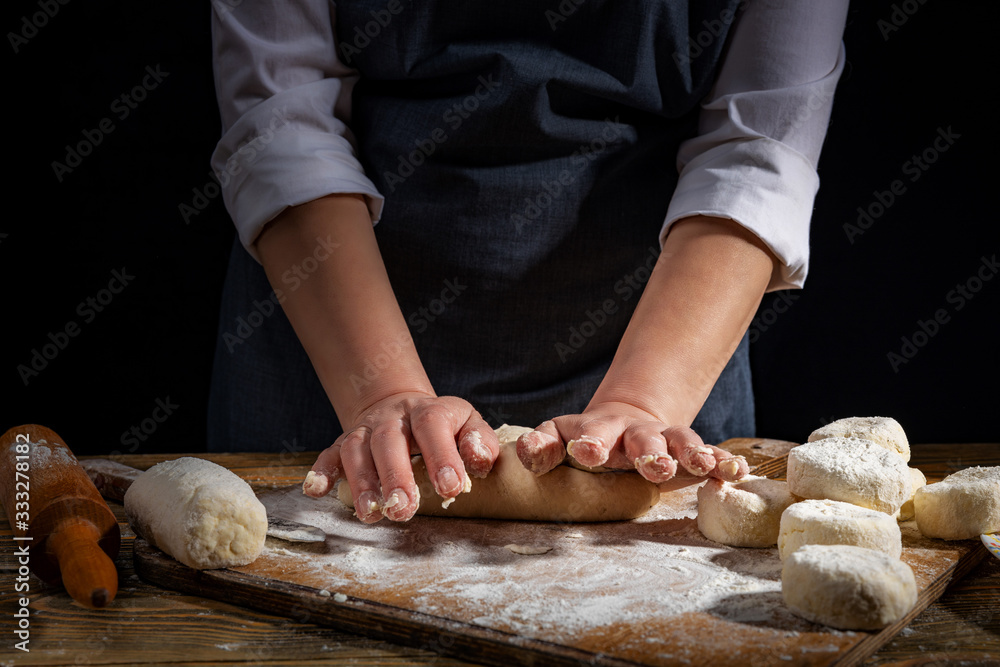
(88, 574)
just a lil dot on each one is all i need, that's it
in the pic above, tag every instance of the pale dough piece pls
(852, 470)
(834, 522)
(963, 505)
(511, 491)
(198, 512)
(847, 587)
(744, 513)
(917, 480)
(883, 431)
(527, 549)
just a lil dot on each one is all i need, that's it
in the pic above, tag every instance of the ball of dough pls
(834, 522)
(511, 491)
(198, 512)
(744, 513)
(847, 587)
(883, 431)
(851, 470)
(917, 480)
(963, 505)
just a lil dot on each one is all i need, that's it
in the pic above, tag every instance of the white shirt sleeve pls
(762, 126)
(284, 98)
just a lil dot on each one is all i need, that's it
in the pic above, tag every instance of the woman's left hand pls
(622, 436)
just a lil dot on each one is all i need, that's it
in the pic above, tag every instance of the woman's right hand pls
(374, 454)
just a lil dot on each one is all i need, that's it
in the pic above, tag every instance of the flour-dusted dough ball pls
(198, 512)
(917, 480)
(883, 431)
(851, 470)
(963, 505)
(834, 522)
(744, 513)
(511, 491)
(847, 587)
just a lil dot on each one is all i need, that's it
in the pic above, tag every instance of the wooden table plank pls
(963, 627)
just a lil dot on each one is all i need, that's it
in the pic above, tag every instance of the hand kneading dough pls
(961, 506)
(834, 522)
(744, 513)
(883, 431)
(917, 480)
(511, 491)
(198, 512)
(852, 470)
(847, 587)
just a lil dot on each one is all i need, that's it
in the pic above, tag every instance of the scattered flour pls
(645, 573)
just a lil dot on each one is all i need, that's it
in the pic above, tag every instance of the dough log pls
(198, 512)
(511, 491)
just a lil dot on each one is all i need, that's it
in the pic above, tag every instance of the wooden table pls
(148, 624)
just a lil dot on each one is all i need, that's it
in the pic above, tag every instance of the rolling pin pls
(71, 533)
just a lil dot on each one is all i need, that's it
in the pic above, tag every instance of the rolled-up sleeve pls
(284, 98)
(762, 127)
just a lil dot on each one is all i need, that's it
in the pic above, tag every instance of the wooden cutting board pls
(651, 591)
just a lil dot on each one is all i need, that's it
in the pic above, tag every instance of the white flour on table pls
(596, 575)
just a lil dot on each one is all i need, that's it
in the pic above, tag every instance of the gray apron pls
(527, 153)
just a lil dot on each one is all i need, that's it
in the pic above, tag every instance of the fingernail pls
(730, 468)
(397, 504)
(478, 453)
(315, 484)
(448, 482)
(656, 468)
(367, 506)
(588, 450)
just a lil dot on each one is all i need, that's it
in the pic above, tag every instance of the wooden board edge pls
(375, 620)
(872, 643)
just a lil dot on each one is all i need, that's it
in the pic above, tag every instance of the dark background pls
(819, 354)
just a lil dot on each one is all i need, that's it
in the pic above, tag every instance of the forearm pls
(700, 299)
(324, 258)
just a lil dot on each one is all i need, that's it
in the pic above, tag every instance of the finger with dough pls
(355, 452)
(478, 446)
(690, 450)
(435, 426)
(541, 450)
(325, 472)
(647, 449)
(390, 451)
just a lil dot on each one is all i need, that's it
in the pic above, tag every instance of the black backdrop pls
(111, 226)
